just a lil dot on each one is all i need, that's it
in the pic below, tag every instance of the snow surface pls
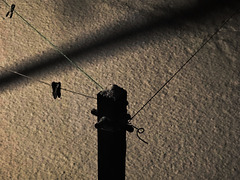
(192, 125)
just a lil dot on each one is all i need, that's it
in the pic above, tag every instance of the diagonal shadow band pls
(177, 17)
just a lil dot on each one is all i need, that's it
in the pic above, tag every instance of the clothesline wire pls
(28, 77)
(55, 47)
(73, 63)
(193, 55)
(140, 131)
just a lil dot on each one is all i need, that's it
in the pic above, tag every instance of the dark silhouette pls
(112, 124)
(56, 86)
(11, 11)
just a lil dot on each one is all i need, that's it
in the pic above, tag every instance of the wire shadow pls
(108, 41)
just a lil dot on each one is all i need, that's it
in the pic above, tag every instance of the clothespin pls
(56, 87)
(11, 11)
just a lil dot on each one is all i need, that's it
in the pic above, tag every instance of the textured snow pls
(192, 125)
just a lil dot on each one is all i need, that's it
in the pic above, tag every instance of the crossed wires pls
(56, 48)
(139, 130)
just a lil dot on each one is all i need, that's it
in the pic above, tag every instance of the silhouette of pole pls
(112, 125)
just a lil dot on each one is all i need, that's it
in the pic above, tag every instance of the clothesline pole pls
(112, 125)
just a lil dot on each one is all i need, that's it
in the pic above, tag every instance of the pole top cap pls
(114, 92)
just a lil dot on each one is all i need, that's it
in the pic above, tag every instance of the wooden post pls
(112, 125)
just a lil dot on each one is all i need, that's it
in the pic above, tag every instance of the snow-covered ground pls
(192, 125)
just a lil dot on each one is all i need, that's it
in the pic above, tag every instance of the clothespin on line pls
(11, 11)
(56, 87)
